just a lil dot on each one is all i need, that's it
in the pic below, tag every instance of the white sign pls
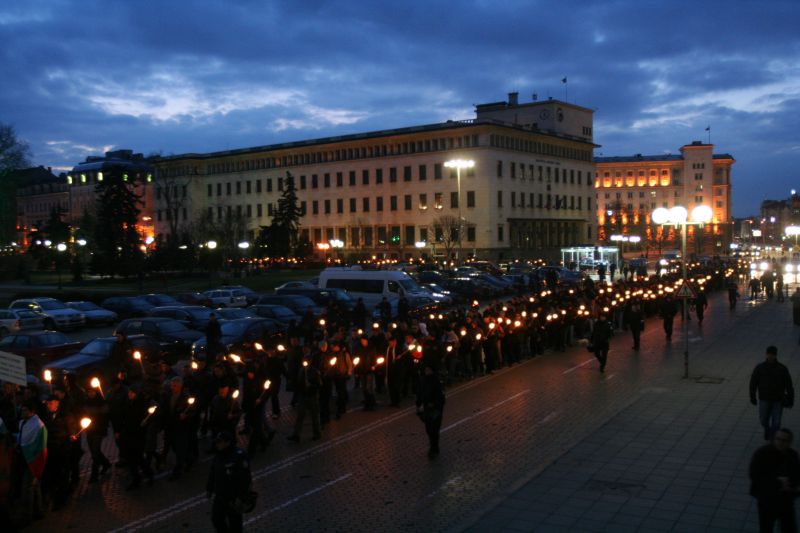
(12, 369)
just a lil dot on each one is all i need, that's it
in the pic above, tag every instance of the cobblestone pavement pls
(547, 444)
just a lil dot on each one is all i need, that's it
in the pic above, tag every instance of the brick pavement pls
(676, 459)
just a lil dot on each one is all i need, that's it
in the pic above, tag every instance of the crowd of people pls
(162, 416)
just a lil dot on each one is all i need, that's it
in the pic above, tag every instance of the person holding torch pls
(430, 403)
(136, 416)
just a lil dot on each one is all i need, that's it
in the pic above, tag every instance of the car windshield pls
(200, 313)
(85, 306)
(52, 305)
(233, 329)
(52, 339)
(98, 348)
(24, 313)
(171, 326)
(410, 285)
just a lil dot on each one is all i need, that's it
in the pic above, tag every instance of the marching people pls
(775, 482)
(771, 390)
(308, 383)
(700, 305)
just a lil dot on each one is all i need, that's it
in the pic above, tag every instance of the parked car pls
(468, 288)
(323, 297)
(233, 313)
(430, 276)
(563, 275)
(439, 294)
(250, 295)
(56, 313)
(281, 313)
(95, 315)
(175, 338)
(298, 304)
(226, 298)
(160, 300)
(39, 347)
(240, 336)
(296, 285)
(127, 306)
(193, 298)
(191, 316)
(16, 320)
(94, 359)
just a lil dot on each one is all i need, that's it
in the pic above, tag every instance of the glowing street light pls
(458, 164)
(679, 216)
(211, 245)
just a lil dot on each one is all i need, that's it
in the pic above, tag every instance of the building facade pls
(83, 179)
(39, 193)
(389, 192)
(630, 188)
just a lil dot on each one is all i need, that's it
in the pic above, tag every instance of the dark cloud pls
(175, 77)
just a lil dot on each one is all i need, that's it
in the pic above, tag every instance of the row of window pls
(367, 236)
(543, 173)
(545, 201)
(327, 156)
(719, 204)
(536, 147)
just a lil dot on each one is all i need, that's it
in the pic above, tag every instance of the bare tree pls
(446, 229)
(171, 197)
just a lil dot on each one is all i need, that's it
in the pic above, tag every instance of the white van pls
(371, 285)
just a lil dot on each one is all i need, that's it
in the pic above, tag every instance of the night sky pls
(80, 76)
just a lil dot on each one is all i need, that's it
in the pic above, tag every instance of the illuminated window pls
(653, 181)
(629, 180)
(640, 179)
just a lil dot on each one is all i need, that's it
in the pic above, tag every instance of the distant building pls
(383, 192)
(82, 182)
(630, 188)
(776, 216)
(39, 193)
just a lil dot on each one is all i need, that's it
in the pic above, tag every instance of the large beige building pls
(630, 188)
(530, 192)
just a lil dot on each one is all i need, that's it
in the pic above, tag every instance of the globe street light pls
(61, 247)
(458, 164)
(211, 245)
(678, 216)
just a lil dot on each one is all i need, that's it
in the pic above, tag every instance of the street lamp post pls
(678, 217)
(458, 164)
(61, 247)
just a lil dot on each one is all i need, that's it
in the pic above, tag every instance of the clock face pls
(544, 114)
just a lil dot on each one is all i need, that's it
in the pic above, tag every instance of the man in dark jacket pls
(772, 382)
(668, 311)
(228, 481)
(601, 338)
(634, 318)
(775, 478)
(430, 404)
(131, 435)
(97, 409)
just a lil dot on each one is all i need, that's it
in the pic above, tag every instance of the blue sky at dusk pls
(83, 76)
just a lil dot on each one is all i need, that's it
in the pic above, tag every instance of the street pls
(370, 472)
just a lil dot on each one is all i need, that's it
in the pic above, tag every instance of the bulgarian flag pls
(33, 441)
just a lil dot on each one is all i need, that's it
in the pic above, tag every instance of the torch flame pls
(86, 422)
(48, 376)
(95, 383)
(137, 355)
(151, 409)
(267, 384)
(356, 360)
(235, 394)
(380, 360)
(258, 346)
(190, 401)
(332, 361)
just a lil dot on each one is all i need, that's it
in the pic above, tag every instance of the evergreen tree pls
(116, 240)
(282, 232)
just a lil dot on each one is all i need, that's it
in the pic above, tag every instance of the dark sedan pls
(95, 360)
(160, 300)
(240, 336)
(127, 306)
(39, 347)
(281, 313)
(175, 338)
(191, 316)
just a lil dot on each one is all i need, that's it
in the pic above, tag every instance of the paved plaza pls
(547, 445)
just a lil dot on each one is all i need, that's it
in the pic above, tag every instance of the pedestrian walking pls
(733, 294)
(772, 390)
(309, 382)
(668, 310)
(795, 298)
(430, 404)
(97, 409)
(634, 318)
(600, 340)
(229, 483)
(700, 305)
(775, 482)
